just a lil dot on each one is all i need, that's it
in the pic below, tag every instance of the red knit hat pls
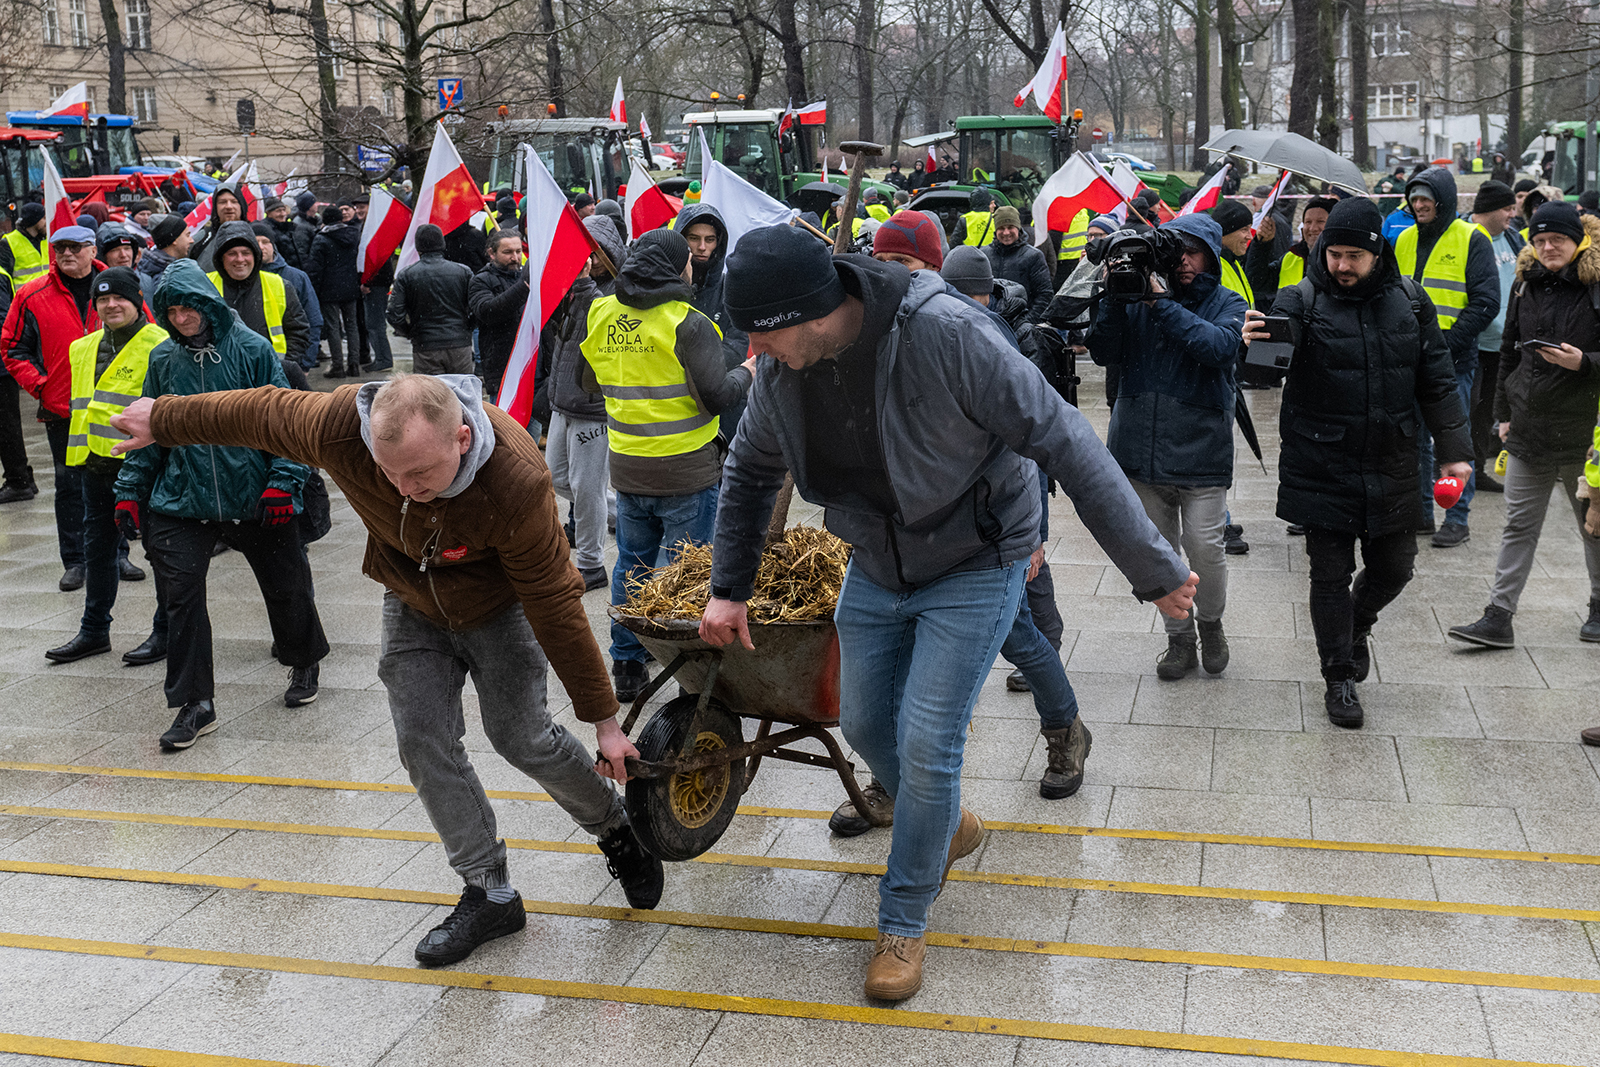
(910, 233)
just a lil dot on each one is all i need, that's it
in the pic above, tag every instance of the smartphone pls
(1277, 348)
(1536, 344)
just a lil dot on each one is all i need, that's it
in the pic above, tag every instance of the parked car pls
(1130, 159)
(662, 150)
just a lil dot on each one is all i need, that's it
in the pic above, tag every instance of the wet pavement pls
(1235, 877)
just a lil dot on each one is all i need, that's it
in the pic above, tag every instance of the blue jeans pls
(648, 529)
(910, 668)
(1027, 649)
(1428, 474)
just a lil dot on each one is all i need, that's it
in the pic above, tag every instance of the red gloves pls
(127, 516)
(276, 507)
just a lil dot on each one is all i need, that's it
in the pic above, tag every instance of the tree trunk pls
(1308, 57)
(552, 56)
(794, 53)
(866, 27)
(1327, 37)
(417, 135)
(1202, 81)
(1514, 140)
(116, 60)
(1232, 78)
(327, 88)
(1360, 47)
(1165, 100)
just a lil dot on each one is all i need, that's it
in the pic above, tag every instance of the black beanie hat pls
(429, 238)
(113, 235)
(166, 229)
(780, 276)
(29, 214)
(264, 229)
(671, 243)
(1492, 196)
(1526, 185)
(1356, 222)
(968, 269)
(1556, 216)
(331, 214)
(1231, 215)
(1589, 199)
(119, 281)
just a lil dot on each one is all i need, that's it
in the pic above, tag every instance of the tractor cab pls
(102, 144)
(21, 167)
(1011, 154)
(584, 155)
(747, 143)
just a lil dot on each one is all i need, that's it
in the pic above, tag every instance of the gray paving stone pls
(105, 991)
(1491, 943)
(303, 858)
(141, 847)
(1399, 710)
(1197, 811)
(1517, 883)
(1446, 825)
(1299, 870)
(1219, 701)
(1532, 714)
(740, 1040)
(1236, 927)
(1348, 765)
(1112, 858)
(1455, 664)
(1137, 755)
(1516, 773)
(1532, 1024)
(1557, 830)
(95, 909)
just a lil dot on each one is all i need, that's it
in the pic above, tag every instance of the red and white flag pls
(558, 251)
(58, 213)
(1046, 85)
(1081, 184)
(933, 163)
(644, 127)
(1267, 204)
(742, 206)
(1208, 195)
(619, 106)
(73, 102)
(386, 225)
(202, 210)
(647, 207)
(787, 120)
(447, 196)
(813, 114)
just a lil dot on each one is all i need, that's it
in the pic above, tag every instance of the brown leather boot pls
(969, 835)
(895, 971)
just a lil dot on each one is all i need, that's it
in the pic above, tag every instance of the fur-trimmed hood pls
(1587, 260)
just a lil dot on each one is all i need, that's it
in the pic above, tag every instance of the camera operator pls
(1175, 345)
(1348, 467)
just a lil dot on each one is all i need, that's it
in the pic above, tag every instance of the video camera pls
(1132, 258)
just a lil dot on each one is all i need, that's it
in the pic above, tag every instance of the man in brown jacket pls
(462, 531)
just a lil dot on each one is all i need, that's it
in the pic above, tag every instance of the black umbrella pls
(1247, 426)
(1291, 152)
(828, 188)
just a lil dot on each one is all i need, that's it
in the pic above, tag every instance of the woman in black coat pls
(337, 279)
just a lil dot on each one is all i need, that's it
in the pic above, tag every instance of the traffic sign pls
(1099, 134)
(373, 160)
(450, 93)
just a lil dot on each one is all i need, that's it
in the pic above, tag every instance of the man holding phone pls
(1348, 466)
(1548, 392)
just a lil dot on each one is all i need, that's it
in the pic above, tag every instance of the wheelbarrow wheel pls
(682, 815)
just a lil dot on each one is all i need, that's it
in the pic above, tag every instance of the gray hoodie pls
(469, 390)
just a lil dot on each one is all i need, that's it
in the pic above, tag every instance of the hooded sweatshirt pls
(245, 297)
(707, 299)
(1483, 274)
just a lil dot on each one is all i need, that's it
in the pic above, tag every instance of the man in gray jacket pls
(901, 410)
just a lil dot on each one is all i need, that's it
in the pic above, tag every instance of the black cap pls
(780, 276)
(270, 204)
(114, 235)
(1356, 222)
(264, 229)
(1556, 216)
(29, 214)
(1526, 185)
(1231, 215)
(331, 214)
(119, 281)
(1492, 196)
(429, 238)
(165, 229)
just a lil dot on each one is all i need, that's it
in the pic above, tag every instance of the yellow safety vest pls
(94, 402)
(1290, 270)
(879, 212)
(1233, 277)
(650, 410)
(1444, 276)
(274, 305)
(28, 262)
(1076, 239)
(980, 227)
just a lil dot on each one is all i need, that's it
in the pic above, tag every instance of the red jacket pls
(40, 327)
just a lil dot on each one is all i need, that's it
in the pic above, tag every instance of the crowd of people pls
(921, 390)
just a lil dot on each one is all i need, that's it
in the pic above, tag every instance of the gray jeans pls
(423, 667)
(1191, 520)
(442, 360)
(1528, 486)
(578, 452)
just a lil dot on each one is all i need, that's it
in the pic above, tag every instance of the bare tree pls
(1360, 47)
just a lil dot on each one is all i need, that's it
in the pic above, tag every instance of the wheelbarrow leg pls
(755, 761)
(847, 777)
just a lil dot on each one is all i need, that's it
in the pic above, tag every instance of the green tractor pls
(1571, 160)
(1011, 154)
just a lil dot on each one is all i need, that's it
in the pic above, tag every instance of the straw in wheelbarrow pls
(798, 581)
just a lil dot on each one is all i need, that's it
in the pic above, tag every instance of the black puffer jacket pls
(428, 303)
(1365, 360)
(284, 238)
(1010, 301)
(332, 265)
(496, 297)
(1551, 409)
(1022, 263)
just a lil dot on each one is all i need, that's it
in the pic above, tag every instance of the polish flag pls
(1209, 194)
(558, 251)
(447, 197)
(933, 163)
(787, 121)
(58, 213)
(647, 207)
(1046, 85)
(73, 103)
(386, 225)
(1267, 204)
(202, 210)
(742, 206)
(1081, 184)
(619, 106)
(813, 114)
(644, 128)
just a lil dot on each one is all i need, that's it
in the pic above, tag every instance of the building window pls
(336, 56)
(381, 31)
(1391, 38)
(1247, 53)
(1283, 41)
(78, 21)
(144, 103)
(1392, 101)
(139, 24)
(52, 22)
(388, 102)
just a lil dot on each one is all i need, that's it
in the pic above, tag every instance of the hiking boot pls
(628, 678)
(1213, 647)
(1591, 736)
(895, 971)
(639, 872)
(1179, 658)
(129, 571)
(847, 822)
(1233, 542)
(476, 919)
(1017, 682)
(302, 686)
(1491, 631)
(11, 494)
(1066, 750)
(1344, 709)
(1450, 535)
(1590, 630)
(81, 646)
(154, 650)
(194, 719)
(1360, 654)
(71, 579)
(968, 836)
(593, 577)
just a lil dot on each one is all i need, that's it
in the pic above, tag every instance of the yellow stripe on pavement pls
(758, 811)
(99, 1052)
(745, 924)
(845, 867)
(765, 1006)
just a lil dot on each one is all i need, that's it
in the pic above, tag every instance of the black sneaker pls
(1233, 542)
(71, 578)
(1450, 535)
(11, 494)
(1491, 631)
(1179, 659)
(593, 577)
(1296, 530)
(476, 919)
(302, 687)
(129, 571)
(639, 872)
(1017, 682)
(1344, 709)
(193, 720)
(628, 677)
(1590, 630)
